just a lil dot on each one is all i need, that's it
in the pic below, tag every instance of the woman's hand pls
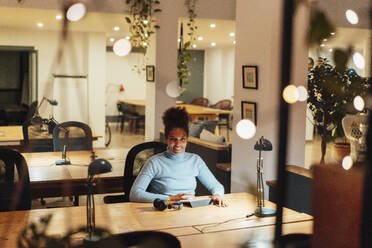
(179, 197)
(219, 201)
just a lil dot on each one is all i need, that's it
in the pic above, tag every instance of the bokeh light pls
(302, 93)
(122, 47)
(246, 129)
(347, 162)
(173, 89)
(290, 94)
(76, 12)
(359, 103)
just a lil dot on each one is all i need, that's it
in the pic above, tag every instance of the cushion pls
(195, 128)
(210, 137)
(210, 126)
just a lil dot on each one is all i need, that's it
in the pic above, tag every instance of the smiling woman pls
(171, 175)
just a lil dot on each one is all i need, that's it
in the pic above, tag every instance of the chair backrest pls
(223, 104)
(136, 158)
(35, 139)
(201, 101)
(79, 136)
(125, 108)
(31, 110)
(15, 190)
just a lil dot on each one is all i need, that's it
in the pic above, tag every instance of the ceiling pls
(27, 19)
(27, 15)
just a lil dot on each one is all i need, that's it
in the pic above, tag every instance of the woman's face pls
(177, 140)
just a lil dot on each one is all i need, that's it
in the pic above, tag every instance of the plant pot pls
(340, 150)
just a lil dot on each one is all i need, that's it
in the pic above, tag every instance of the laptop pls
(194, 203)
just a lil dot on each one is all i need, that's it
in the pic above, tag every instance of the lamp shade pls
(263, 145)
(99, 166)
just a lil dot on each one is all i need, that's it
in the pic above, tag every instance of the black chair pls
(136, 158)
(35, 138)
(15, 189)
(31, 110)
(144, 239)
(127, 114)
(79, 136)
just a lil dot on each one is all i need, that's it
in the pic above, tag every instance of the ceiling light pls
(347, 162)
(358, 60)
(333, 33)
(40, 24)
(232, 34)
(193, 45)
(212, 25)
(144, 43)
(116, 28)
(200, 38)
(145, 22)
(122, 47)
(112, 39)
(213, 44)
(59, 17)
(322, 45)
(178, 40)
(351, 16)
(75, 12)
(325, 39)
(234, 42)
(127, 37)
(330, 50)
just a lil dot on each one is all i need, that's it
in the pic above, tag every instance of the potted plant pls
(331, 93)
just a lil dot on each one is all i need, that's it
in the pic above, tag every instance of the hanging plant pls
(184, 55)
(141, 22)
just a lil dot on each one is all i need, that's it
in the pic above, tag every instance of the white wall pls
(83, 54)
(219, 74)
(258, 43)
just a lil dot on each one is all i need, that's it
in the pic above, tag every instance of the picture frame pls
(250, 76)
(249, 111)
(150, 73)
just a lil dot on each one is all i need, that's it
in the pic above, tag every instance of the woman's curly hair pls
(175, 117)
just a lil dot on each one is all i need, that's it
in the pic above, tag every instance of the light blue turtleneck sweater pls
(170, 174)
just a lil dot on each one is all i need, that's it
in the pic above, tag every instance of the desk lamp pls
(36, 118)
(98, 166)
(262, 145)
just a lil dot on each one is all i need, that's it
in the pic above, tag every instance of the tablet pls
(197, 202)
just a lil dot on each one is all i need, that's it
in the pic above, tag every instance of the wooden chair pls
(79, 136)
(201, 101)
(136, 158)
(15, 193)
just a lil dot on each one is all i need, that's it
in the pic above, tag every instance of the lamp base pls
(92, 241)
(264, 212)
(62, 162)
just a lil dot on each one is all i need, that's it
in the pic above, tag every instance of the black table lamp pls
(98, 166)
(262, 145)
(36, 118)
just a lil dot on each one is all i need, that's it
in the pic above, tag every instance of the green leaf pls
(128, 19)
(157, 10)
(156, 26)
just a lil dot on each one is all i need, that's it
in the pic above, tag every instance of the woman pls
(171, 174)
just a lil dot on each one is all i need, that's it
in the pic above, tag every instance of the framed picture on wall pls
(249, 111)
(150, 73)
(250, 76)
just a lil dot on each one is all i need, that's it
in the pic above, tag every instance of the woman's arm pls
(208, 180)
(138, 191)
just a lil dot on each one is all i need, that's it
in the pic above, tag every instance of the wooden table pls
(12, 136)
(193, 226)
(196, 112)
(50, 180)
